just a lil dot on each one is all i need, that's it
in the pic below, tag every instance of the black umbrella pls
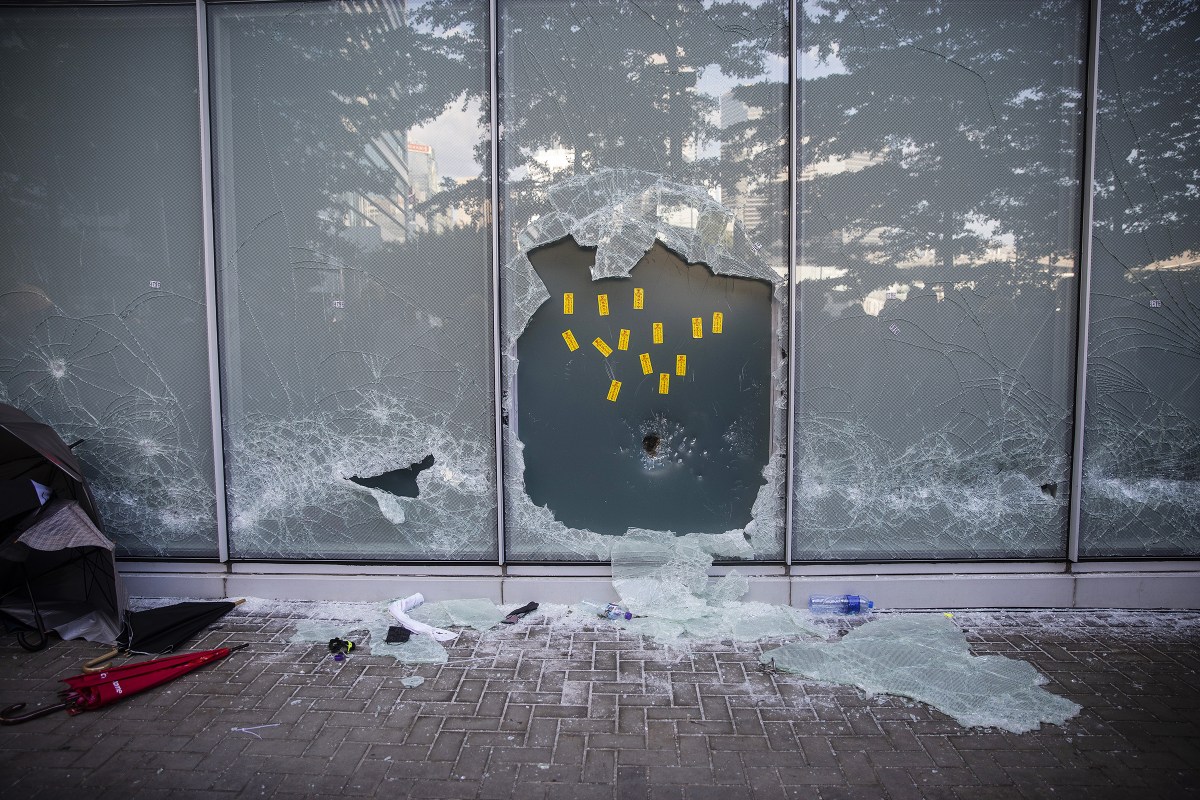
(155, 631)
(56, 565)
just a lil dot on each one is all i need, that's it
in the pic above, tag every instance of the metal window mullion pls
(210, 284)
(497, 356)
(793, 221)
(1091, 91)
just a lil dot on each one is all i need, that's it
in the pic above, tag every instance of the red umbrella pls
(89, 692)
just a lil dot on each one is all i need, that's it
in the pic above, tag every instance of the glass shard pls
(927, 658)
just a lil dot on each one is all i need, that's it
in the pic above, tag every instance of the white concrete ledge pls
(1121, 586)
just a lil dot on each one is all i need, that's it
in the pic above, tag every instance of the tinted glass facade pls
(803, 282)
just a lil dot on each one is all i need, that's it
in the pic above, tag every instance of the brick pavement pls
(580, 711)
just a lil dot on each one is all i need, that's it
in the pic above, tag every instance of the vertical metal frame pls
(494, 153)
(793, 220)
(210, 283)
(1091, 92)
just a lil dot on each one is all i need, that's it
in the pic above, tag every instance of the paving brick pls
(547, 712)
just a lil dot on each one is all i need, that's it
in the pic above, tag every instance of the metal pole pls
(793, 221)
(1085, 275)
(210, 284)
(497, 404)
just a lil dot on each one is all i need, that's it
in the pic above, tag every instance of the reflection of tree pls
(618, 84)
(349, 351)
(963, 119)
(358, 80)
(940, 183)
(1142, 463)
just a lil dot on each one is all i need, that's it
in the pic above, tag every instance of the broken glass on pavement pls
(927, 658)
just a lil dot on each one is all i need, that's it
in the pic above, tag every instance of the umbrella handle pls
(7, 714)
(100, 663)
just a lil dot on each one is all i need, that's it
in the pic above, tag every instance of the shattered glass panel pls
(638, 129)
(663, 581)
(102, 311)
(479, 614)
(927, 658)
(1141, 469)
(937, 288)
(354, 258)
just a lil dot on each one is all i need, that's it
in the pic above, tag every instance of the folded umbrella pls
(91, 691)
(157, 631)
(164, 629)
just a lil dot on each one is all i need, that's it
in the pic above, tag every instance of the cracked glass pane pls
(937, 288)
(102, 311)
(1141, 469)
(927, 658)
(655, 136)
(354, 257)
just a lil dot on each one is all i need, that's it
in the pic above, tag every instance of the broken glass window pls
(656, 131)
(937, 278)
(616, 214)
(656, 417)
(353, 244)
(927, 658)
(102, 310)
(1141, 470)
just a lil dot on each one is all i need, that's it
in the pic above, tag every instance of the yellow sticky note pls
(623, 342)
(681, 364)
(697, 327)
(602, 346)
(658, 333)
(718, 321)
(639, 299)
(602, 302)
(569, 338)
(664, 382)
(645, 359)
(614, 389)
(569, 303)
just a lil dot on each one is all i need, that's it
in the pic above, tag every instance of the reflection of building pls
(757, 203)
(371, 219)
(422, 167)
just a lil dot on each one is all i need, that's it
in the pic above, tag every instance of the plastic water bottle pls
(610, 611)
(839, 604)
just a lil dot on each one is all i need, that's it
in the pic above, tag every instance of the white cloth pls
(405, 604)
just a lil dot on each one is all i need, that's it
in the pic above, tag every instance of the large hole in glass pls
(655, 416)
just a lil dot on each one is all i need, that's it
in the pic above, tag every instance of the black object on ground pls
(516, 614)
(163, 629)
(343, 646)
(397, 634)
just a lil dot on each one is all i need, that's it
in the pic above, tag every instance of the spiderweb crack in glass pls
(622, 213)
(928, 659)
(102, 381)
